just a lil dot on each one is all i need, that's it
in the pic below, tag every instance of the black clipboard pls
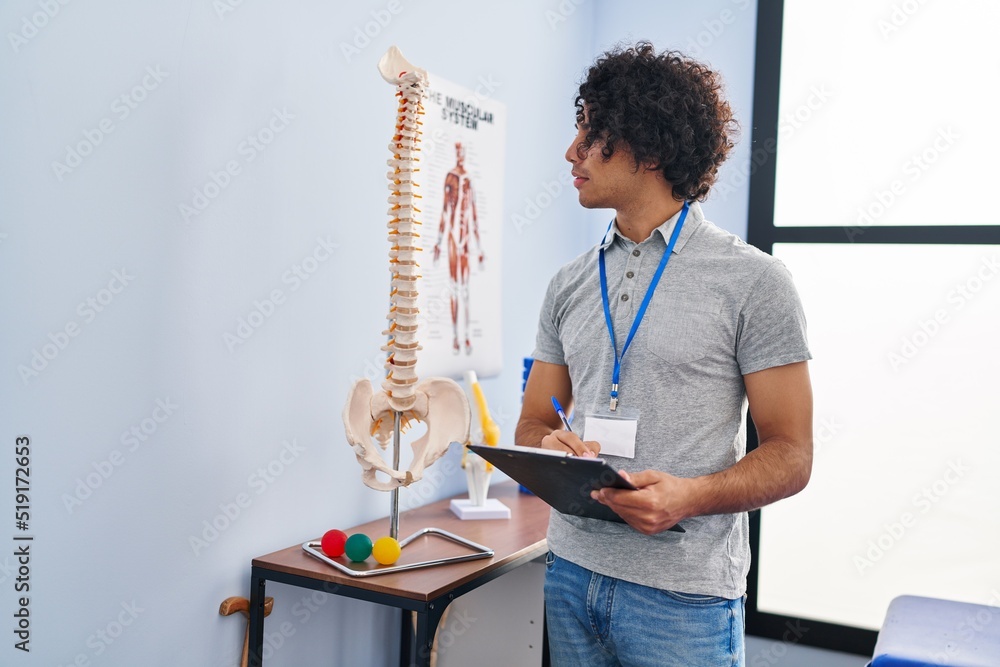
(564, 482)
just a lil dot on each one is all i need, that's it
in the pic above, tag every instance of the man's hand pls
(660, 502)
(437, 252)
(781, 405)
(538, 419)
(567, 441)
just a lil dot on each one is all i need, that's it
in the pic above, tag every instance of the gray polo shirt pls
(723, 309)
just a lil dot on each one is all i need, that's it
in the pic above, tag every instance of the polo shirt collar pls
(694, 219)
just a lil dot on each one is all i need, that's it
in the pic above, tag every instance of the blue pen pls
(561, 413)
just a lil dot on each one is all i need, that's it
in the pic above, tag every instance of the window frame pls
(762, 233)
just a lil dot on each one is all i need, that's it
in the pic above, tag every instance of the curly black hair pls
(665, 109)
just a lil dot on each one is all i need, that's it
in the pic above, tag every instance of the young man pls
(723, 328)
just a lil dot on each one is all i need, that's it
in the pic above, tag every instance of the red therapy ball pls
(333, 543)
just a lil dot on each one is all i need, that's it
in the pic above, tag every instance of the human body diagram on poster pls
(459, 223)
(461, 171)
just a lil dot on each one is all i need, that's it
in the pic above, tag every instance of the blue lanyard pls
(642, 308)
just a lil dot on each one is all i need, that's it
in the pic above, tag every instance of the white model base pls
(491, 509)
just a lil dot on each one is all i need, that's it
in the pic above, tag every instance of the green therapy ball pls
(358, 547)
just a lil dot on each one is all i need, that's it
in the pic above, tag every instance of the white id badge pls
(615, 431)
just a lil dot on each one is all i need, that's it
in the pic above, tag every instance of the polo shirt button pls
(636, 252)
(624, 297)
(629, 275)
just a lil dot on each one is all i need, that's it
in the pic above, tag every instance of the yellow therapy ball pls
(386, 550)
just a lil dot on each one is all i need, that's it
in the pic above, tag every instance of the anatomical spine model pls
(438, 402)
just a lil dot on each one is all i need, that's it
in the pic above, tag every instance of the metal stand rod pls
(394, 494)
(359, 570)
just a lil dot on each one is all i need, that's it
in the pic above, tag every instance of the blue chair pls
(920, 632)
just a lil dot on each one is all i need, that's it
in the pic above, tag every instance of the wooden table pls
(423, 592)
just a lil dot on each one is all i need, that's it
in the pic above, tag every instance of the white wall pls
(210, 75)
(220, 77)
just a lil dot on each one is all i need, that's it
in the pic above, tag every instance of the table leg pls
(416, 651)
(256, 622)
(405, 637)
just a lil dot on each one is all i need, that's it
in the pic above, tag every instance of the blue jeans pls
(599, 621)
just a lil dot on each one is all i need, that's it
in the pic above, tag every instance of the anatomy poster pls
(461, 182)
